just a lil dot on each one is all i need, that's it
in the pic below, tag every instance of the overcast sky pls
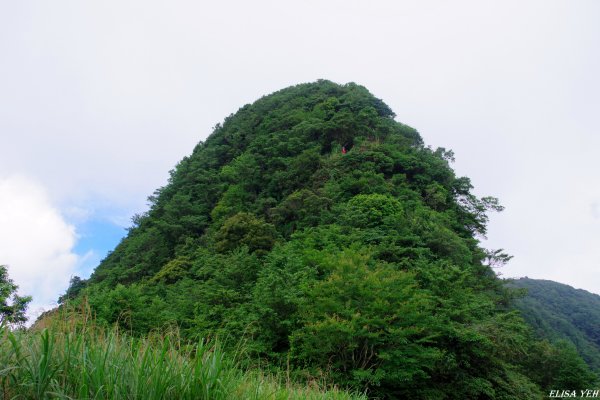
(100, 99)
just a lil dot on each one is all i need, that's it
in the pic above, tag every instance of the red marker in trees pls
(343, 149)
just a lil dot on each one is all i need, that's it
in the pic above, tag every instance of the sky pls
(99, 100)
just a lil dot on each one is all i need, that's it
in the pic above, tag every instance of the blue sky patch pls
(97, 236)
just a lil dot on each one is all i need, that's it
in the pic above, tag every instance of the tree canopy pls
(362, 266)
(12, 305)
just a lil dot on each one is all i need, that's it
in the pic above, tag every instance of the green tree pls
(76, 284)
(559, 366)
(245, 229)
(12, 306)
(367, 323)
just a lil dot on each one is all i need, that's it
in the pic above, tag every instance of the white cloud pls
(595, 210)
(35, 241)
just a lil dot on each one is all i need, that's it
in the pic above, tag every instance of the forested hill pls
(558, 311)
(328, 239)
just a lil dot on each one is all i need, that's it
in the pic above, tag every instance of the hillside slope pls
(327, 238)
(558, 311)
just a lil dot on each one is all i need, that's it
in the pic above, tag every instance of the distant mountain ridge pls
(559, 311)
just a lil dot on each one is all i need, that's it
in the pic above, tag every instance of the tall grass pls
(72, 358)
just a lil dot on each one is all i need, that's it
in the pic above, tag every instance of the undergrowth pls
(68, 356)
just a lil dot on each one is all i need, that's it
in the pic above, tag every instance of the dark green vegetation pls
(12, 306)
(557, 311)
(75, 359)
(329, 240)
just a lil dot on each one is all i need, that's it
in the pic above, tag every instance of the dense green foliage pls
(75, 359)
(324, 235)
(12, 306)
(557, 311)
